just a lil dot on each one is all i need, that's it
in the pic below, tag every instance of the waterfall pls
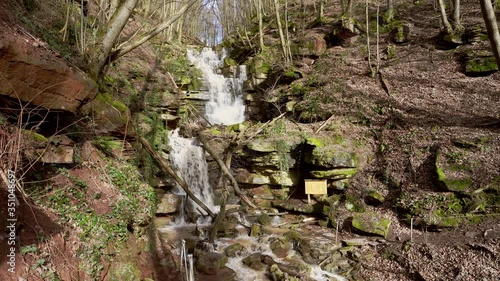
(189, 161)
(225, 105)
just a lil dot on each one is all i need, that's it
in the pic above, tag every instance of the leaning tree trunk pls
(282, 35)
(156, 30)
(105, 43)
(164, 165)
(491, 27)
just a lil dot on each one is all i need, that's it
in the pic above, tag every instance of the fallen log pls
(164, 165)
(226, 172)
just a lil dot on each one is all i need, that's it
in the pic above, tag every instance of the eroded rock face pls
(41, 78)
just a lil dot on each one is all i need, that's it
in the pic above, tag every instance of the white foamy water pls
(260, 245)
(190, 164)
(226, 105)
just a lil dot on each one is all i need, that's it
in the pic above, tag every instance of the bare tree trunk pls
(457, 26)
(280, 30)
(156, 30)
(444, 18)
(105, 43)
(491, 27)
(389, 13)
(372, 71)
(321, 13)
(261, 31)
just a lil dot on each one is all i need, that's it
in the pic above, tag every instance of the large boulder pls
(309, 46)
(210, 262)
(332, 153)
(39, 77)
(109, 115)
(454, 170)
(315, 249)
(480, 64)
(436, 210)
(371, 224)
(167, 203)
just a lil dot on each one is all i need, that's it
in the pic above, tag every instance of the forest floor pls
(428, 101)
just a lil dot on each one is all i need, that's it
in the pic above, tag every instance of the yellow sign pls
(315, 186)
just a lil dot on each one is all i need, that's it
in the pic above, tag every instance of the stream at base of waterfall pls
(226, 107)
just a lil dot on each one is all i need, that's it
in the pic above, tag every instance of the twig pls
(324, 124)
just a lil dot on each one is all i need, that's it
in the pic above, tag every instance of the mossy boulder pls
(262, 145)
(371, 224)
(310, 46)
(335, 174)
(299, 206)
(264, 219)
(343, 31)
(331, 153)
(254, 261)
(280, 246)
(454, 170)
(167, 203)
(353, 203)
(210, 262)
(255, 230)
(285, 178)
(334, 151)
(259, 67)
(401, 33)
(315, 249)
(109, 115)
(234, 250)
(374, 198)
(480, 64)
(432, 209)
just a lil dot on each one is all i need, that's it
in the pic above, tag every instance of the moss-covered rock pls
(299, 206)
(210, 262)
(332, 152)
(335, 174)
(454, 170)
(435, 210)
(254, 261)
(374, 198)
(234, 250)
(109, 115)
(372, 224)
(353, 203)
(401, 32)
(255, 230)
(280, 246)
(312, 45)
(264, 219)
(480, 64)
(262, 145)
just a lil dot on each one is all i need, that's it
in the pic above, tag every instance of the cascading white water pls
(189, 161)
(226, 105)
